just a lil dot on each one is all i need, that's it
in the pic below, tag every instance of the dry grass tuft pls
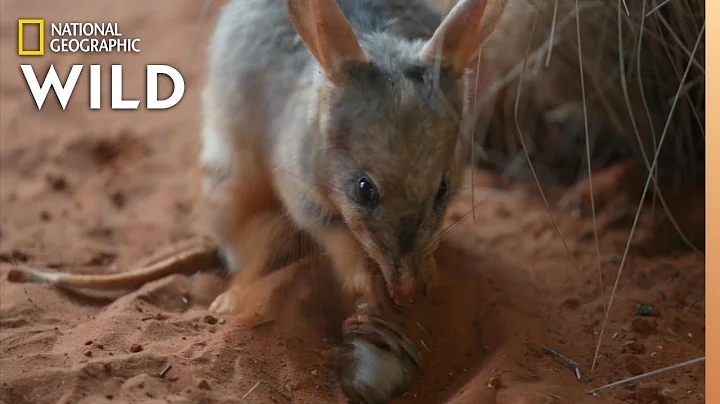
(569, 87)
(634, 55)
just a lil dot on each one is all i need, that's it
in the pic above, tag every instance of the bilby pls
(339, 119)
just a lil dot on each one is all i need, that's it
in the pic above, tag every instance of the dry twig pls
(567, 361)
(648, 374)
(255, 386)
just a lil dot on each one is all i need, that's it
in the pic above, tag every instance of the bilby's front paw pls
(377, 360)
(362, 317)
(226, 303)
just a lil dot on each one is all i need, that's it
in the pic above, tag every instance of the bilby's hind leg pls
(257, 242)
(240, 209)
(235, 187)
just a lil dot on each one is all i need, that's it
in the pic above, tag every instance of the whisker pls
(436, 239)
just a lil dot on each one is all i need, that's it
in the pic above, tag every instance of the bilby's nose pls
(403, 293)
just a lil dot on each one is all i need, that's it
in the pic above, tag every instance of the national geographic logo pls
(22, 50)
(74, 37)
(89, 37)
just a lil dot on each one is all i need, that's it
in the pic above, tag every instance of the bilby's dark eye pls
(442, 190)
(367, 192)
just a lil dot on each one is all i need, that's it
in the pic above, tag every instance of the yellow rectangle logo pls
(21, 48)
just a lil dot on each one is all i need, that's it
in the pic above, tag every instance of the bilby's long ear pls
(465, 28)
(445, 6)
(326, 33)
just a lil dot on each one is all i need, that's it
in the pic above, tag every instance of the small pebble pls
(637, 347)
(209, 319)
(88, 342)
(136, 348)
(203, 384)
(572, 303)
(494, 383)
(644, 309)
(88, 353)
(57, 183)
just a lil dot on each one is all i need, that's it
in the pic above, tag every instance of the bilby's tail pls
(181, 260)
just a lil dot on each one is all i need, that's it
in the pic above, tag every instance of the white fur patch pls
(216, 149)
(216, 153)
(232, 261)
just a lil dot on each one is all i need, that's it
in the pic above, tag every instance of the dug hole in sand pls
(97, 191)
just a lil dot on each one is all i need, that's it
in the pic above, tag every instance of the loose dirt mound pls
(97, 191)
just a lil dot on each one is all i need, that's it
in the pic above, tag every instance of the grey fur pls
(263, 87)
(386, 120)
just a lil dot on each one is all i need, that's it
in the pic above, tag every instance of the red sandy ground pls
(98, 191)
